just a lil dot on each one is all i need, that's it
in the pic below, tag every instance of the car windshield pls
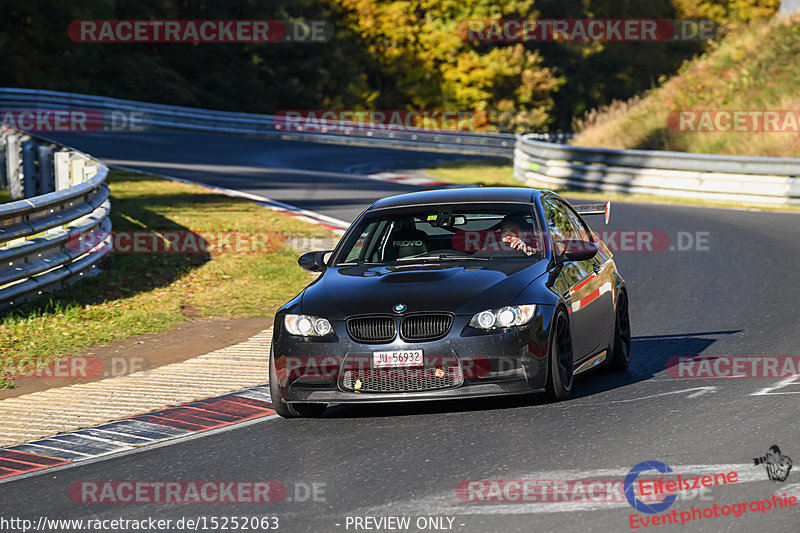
(441, 233)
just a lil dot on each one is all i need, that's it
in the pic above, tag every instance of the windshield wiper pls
(451, 257)
(445, 257)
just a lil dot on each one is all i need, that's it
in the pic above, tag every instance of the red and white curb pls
(80, 422)
(365, 170)
(135, 432)
(416, 181)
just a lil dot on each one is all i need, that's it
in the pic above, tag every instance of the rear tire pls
(287, 410)
(621, 354)
(560, 375)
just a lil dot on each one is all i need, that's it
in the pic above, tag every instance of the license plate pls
(400, 358)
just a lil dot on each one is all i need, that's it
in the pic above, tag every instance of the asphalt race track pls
(734, 295)
(309, 175)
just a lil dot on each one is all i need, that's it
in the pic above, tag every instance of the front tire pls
(621, 354)
(287, 410)
(560, 375)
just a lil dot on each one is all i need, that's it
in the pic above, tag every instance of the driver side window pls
(579, 230)
(558, 224)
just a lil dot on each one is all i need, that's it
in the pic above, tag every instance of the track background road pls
(737, 298)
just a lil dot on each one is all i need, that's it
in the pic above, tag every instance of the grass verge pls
(500, 173)
(753, 68)
(144, 293)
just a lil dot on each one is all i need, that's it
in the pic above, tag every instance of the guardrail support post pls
(14, 166)
(46, 166)
(61, 170)
(3, 169)
(76, 164)
(30, 170)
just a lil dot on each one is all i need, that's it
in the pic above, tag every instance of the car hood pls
(462, 288)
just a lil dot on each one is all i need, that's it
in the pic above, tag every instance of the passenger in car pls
(512, 237)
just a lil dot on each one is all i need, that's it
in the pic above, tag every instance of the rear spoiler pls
(594, 209)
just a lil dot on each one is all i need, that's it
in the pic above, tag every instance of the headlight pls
(505, 317)
(307, 326)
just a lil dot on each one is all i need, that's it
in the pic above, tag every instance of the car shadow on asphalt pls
(650, 355)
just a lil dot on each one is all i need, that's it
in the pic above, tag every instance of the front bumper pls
(470, 362)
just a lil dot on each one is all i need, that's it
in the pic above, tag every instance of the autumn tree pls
(421, 60)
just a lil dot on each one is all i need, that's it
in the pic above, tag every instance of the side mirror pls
(579, 250)
(313, 261)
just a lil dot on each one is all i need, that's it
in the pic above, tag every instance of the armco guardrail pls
(742, 179)
(188, 118)
(59, 192)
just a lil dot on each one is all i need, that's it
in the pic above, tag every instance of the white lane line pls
(309, 216)
(790, 490)
(448, 503)
(767, 391)
(699, 391)
(703, 390)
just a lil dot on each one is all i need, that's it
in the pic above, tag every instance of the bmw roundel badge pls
(399, 308)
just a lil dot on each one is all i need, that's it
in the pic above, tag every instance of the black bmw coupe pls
(451, 293)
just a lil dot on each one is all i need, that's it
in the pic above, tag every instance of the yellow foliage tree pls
(424, 63)
(724, 11)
